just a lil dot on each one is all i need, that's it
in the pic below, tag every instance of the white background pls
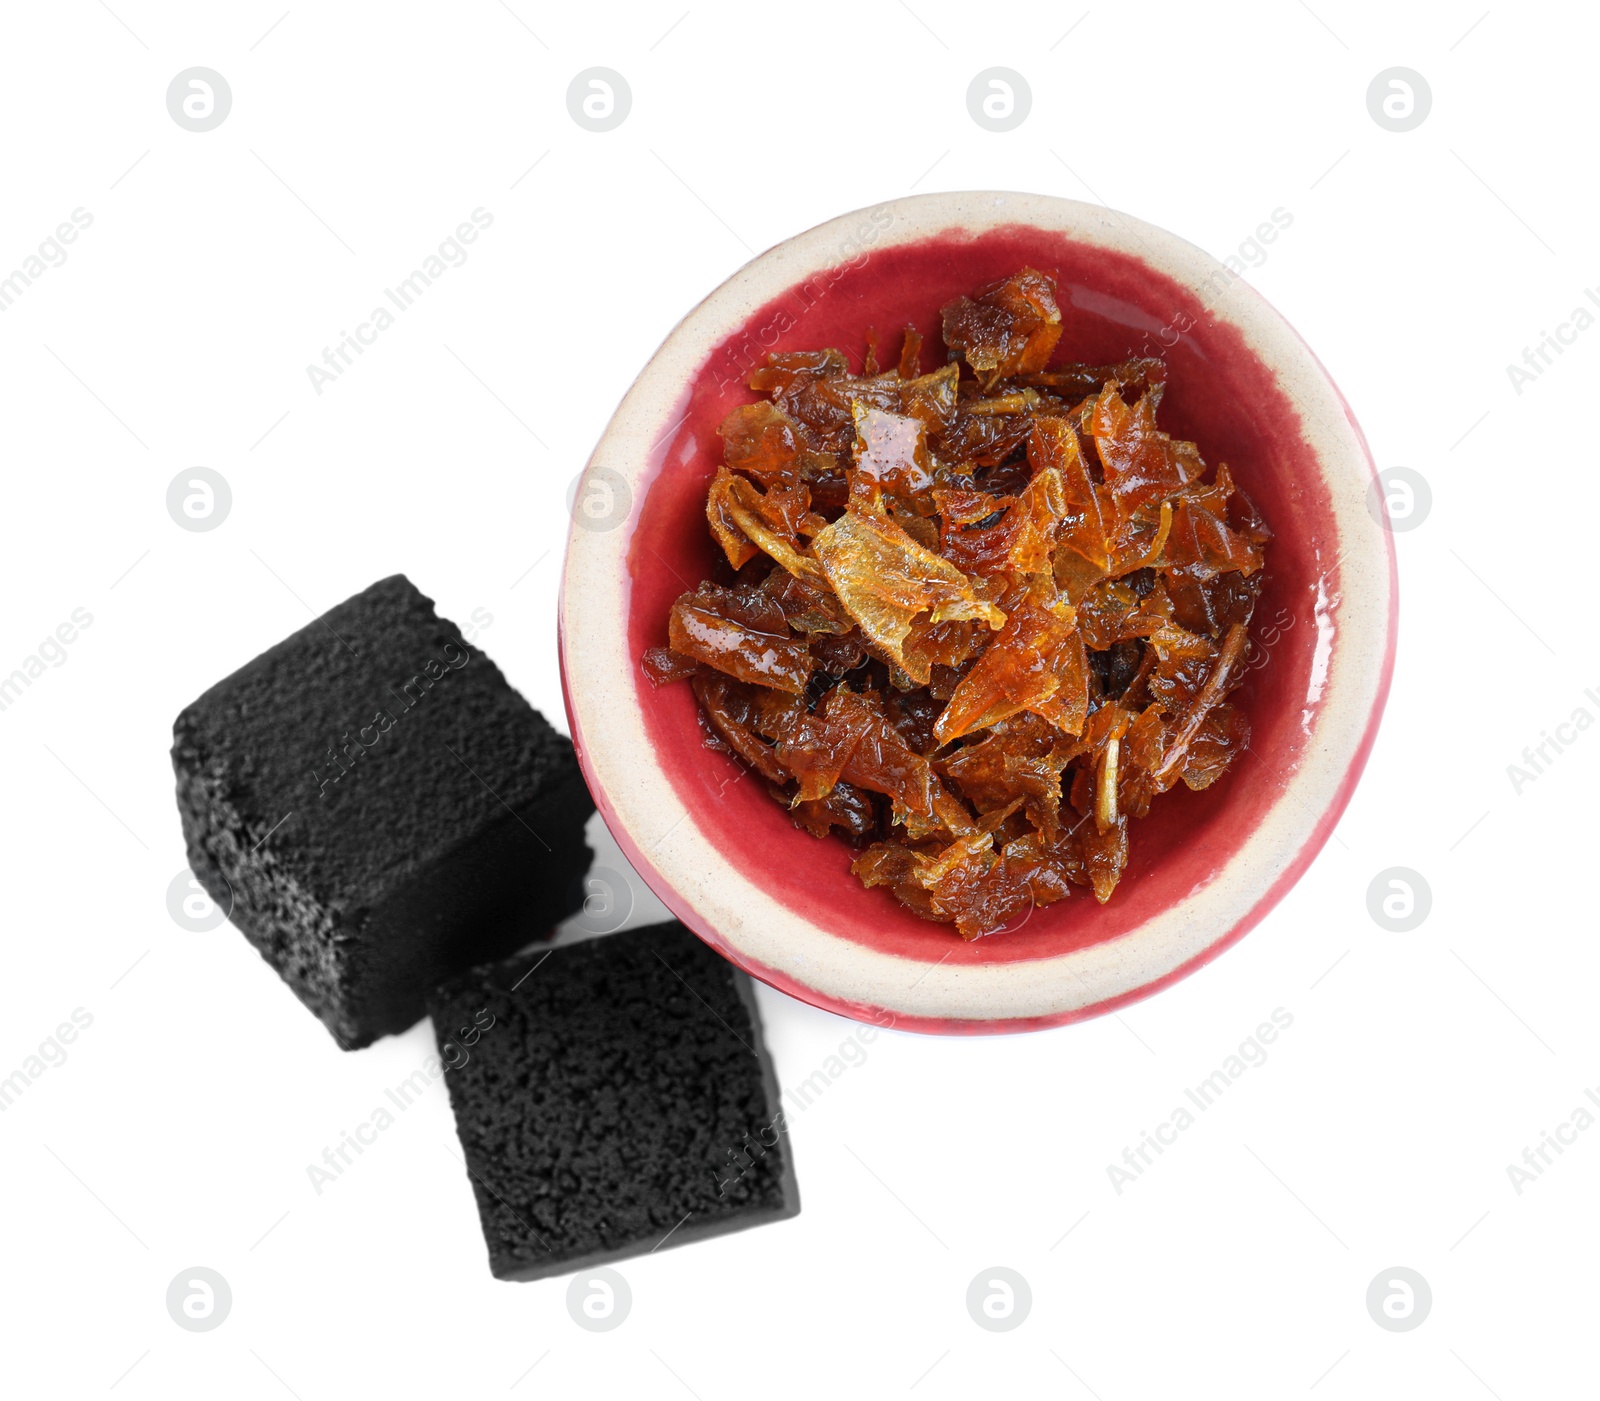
(176, 334)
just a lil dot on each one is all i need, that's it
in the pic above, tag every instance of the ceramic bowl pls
(1204, 867)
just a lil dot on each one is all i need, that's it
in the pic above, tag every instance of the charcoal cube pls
(377, 809)
(612, 1097)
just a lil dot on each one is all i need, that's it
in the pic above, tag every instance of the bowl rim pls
(773, 943)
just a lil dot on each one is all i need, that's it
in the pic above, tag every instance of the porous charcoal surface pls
(378, 809)
(612, 1091)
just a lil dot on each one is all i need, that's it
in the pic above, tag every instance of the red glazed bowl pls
(1204, 867)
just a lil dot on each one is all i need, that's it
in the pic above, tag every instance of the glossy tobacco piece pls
(975, 621)
(883, 579)
(722, 628)
(1007, 329)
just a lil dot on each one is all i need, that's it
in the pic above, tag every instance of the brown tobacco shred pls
(974, 620)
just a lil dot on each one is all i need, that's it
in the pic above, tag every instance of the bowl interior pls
(1219, 394)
